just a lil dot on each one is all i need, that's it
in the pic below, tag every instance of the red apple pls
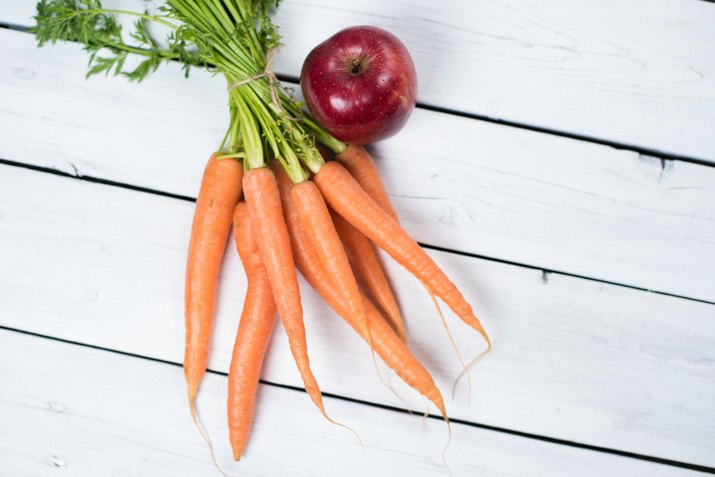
(360, 84)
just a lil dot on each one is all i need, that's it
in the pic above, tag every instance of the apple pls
(360, 84)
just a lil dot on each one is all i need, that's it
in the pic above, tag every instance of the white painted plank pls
(79, 411)
(573, 359)
(461, 184)
(640, 72)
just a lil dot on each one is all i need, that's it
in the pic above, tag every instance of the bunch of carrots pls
(280, 227)
(289, 208)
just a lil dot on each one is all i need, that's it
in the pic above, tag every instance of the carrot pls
(254, 333)
(362, 167)
(266, 214)
(370, 269)
(318, 227)
(347, 198)
(317, 224)
(387, 344)
(218, 195)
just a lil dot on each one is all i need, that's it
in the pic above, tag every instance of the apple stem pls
(356, 67)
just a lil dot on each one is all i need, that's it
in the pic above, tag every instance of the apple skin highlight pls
(360, 84)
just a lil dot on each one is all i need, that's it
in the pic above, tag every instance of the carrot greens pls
(233, 38)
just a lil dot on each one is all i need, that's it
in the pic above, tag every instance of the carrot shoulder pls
(362, 167)
(348, 199)
(266, 213)
(218, 196)
(254, 333)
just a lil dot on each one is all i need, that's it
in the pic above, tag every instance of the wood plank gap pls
(525, 435)
(552, 132)
(77, 175)
(478, 117)
(545, 271)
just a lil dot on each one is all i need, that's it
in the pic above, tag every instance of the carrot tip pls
(489, 343)
(339, 424)
(449, 441)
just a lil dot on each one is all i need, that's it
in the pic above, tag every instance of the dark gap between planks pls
(525, 435)
(552, 132)
(505, 122)
(545, 271)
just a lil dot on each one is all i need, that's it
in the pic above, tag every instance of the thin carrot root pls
(204, 435)
(443, 411)
(449, 439)
(425, 413)
(465, 368)
(321, 407)
(355, 433)
(446, 446)
(385, 383)
(402, 400)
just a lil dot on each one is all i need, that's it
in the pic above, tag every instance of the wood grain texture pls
(457, 183)
(596, 364)
(639, 73)
(109, 414)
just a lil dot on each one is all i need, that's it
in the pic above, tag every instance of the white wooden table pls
(560, 167)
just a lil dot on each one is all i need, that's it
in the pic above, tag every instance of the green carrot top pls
(235, 38)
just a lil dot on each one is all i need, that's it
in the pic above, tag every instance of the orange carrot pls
(362, 167)
(351, 201)
(387, 344)
(218, 196)
(254, 333)
(370, 269)
(266, 214)
(318, 227)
